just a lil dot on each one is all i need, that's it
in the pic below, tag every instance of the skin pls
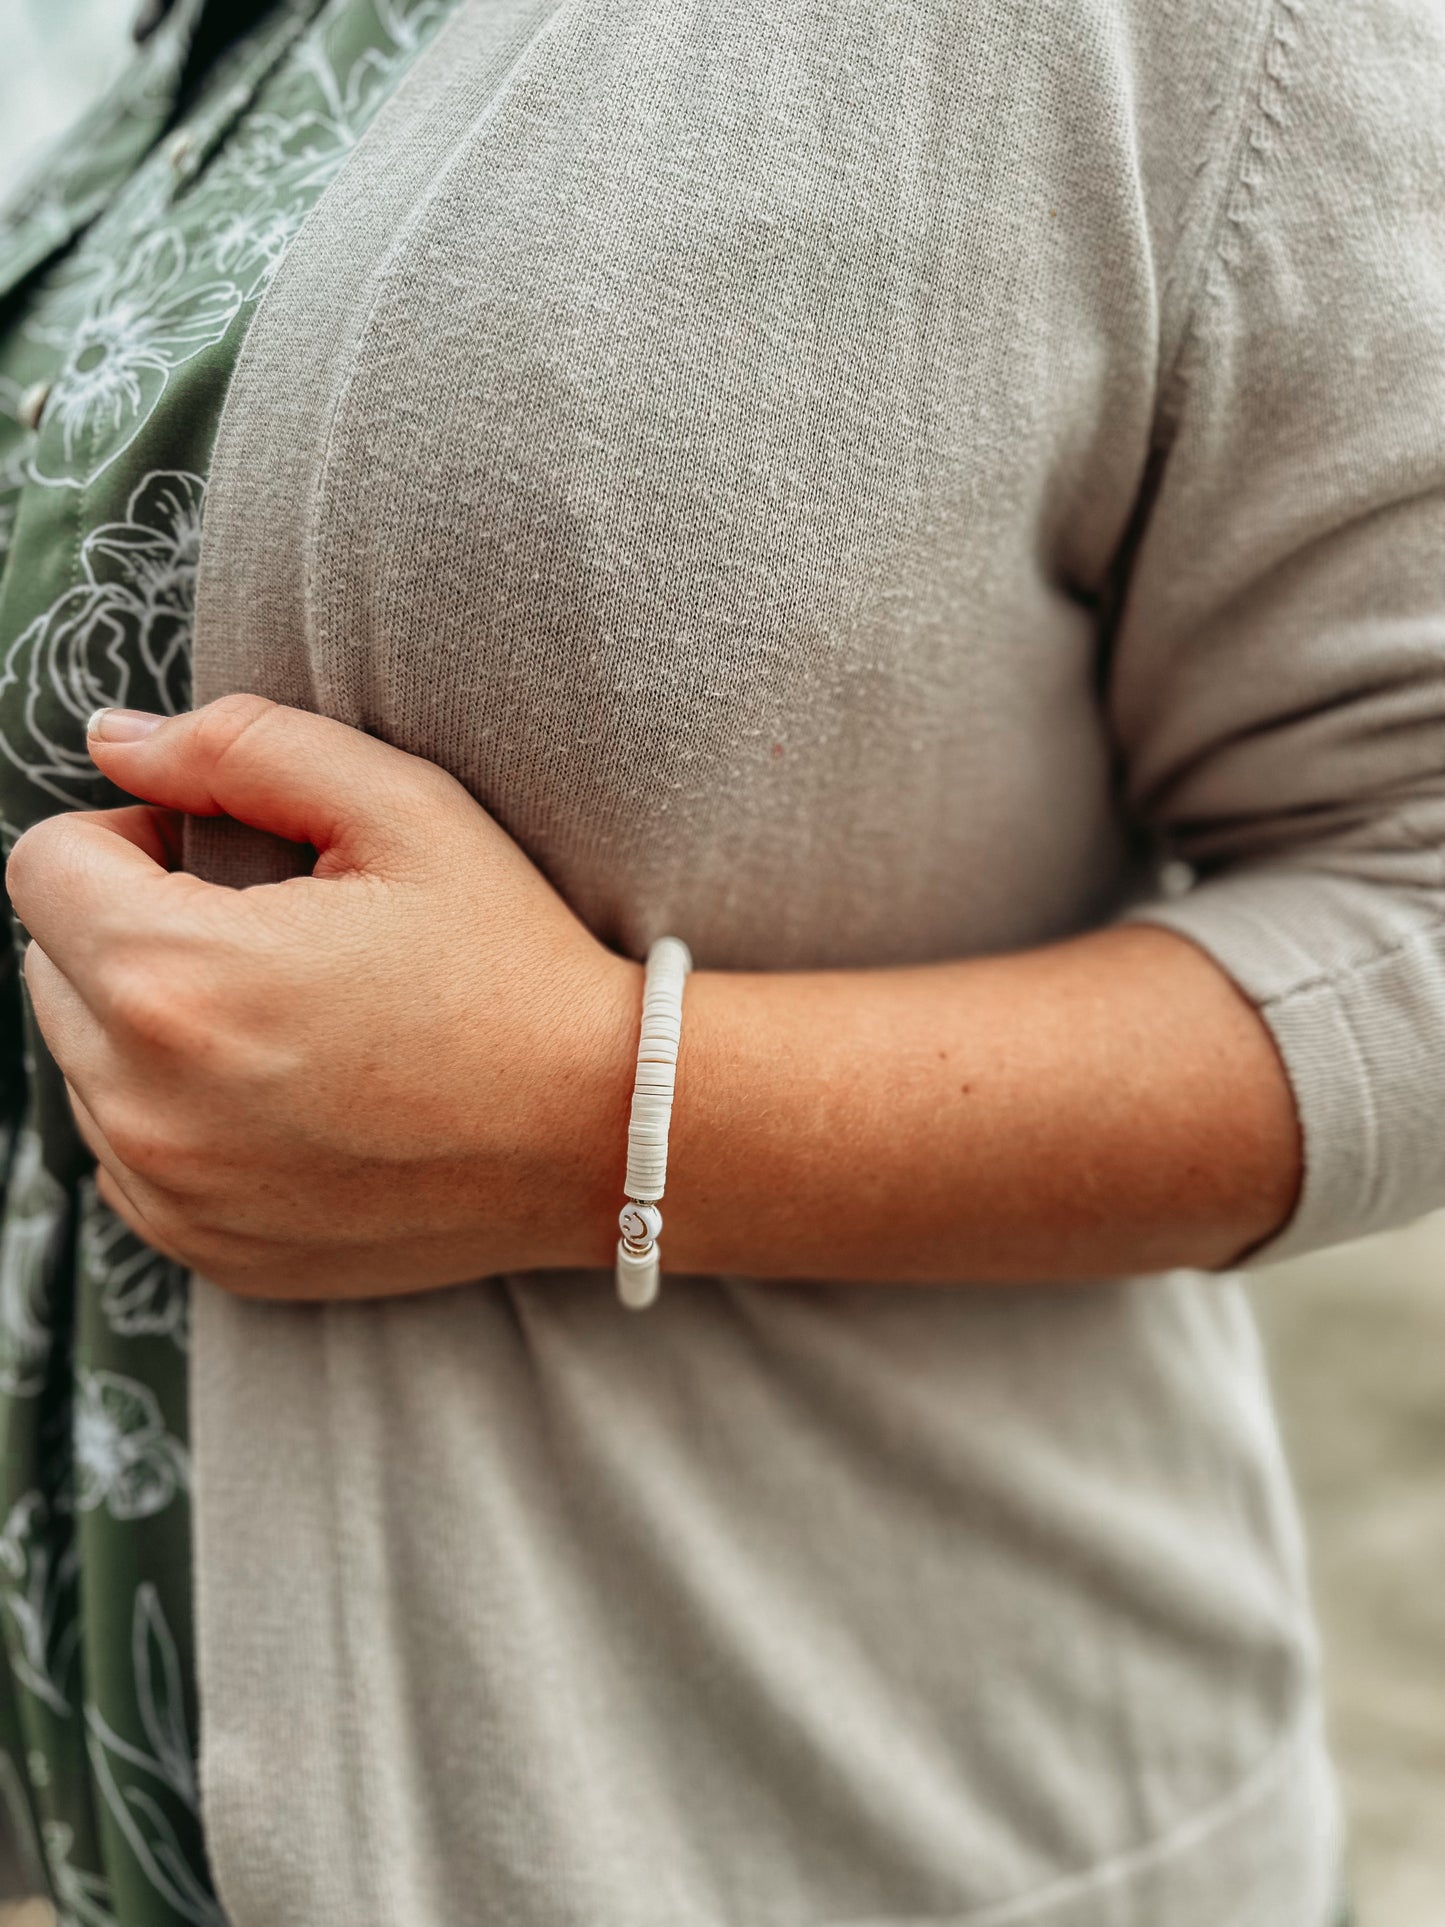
(369, 1081)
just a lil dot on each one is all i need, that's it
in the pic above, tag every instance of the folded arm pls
(1108, 1104)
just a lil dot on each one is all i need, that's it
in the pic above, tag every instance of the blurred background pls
(1356, 1336)
(55, 57)
(1356, 1339)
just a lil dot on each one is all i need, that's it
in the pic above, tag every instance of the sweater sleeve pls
(1275, 675)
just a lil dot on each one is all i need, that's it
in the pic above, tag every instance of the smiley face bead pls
(639, 1223)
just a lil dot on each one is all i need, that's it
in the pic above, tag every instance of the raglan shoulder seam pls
(1263, 115)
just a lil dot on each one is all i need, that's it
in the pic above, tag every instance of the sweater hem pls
(1269, 1854)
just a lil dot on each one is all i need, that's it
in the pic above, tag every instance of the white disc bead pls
(638, 1270)
(668, 962)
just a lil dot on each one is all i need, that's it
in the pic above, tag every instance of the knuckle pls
(31, 856)
(139, 1148)
(227, 721)
(187, 1245)
(168, 1234)
(184, 1229)
(142, 1007)
(229, 714)
(146, 1229)
(435, 783)
(175, 1229)
(420, 796)
(144, 1145)
(159, 1013)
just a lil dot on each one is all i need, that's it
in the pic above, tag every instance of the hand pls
(409, 1069)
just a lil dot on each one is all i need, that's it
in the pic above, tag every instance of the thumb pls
(300, 776)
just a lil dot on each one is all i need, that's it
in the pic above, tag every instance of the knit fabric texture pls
(845, 484)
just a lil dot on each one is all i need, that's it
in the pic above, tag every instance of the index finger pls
(75, 879)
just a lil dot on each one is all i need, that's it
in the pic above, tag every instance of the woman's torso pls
(712, 438)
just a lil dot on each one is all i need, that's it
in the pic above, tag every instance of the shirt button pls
(32, 405)
(179, 150)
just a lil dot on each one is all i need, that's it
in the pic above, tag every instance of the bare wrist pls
(587, 1152)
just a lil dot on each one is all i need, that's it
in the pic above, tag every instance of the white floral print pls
(32, 1239)
(143, 321)
(12, 464)
(142, 1294)
(38, 1599)
(16, 1809)
(167, 1762)
(128, 319)
(83, 1899)
(121, 635)
(125, 1459)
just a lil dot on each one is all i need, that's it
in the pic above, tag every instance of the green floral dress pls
(128, 273)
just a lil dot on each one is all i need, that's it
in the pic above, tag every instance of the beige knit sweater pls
(843, 482)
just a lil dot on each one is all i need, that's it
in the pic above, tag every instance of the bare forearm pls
(244, 1064)
(1104, 1105)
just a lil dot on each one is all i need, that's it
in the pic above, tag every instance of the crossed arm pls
(364, 1081)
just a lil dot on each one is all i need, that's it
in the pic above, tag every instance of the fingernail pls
(122, 725)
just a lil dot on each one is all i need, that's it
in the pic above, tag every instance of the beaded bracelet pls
(638, 1261)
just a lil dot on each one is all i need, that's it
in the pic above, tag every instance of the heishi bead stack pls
(640, 1221)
